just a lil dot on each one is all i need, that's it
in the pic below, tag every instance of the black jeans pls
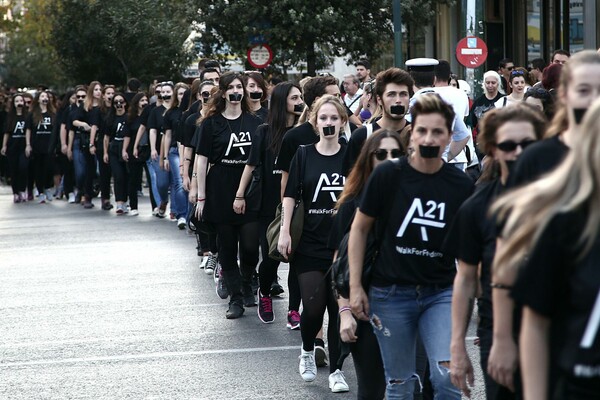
(367, 363)
(105, 173)
(18, 168)
(43, 169)
(135, 169)
(121, 175)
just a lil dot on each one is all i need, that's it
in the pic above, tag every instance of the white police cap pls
(421, 64)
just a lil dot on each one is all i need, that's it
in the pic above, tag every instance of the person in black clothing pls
(491, 86)
(555, 257)
(380, 146)
(224, 140)
(257, 90)
(13, 147)
(206, 244)
(114, 132)
(69, 103)
(39, 126)
(142, 150)
(95, 107)
(580, 86)
(411, 279)
(157, 156)
(316, 172)
(393, 90)
(504, 134)
(286, 106)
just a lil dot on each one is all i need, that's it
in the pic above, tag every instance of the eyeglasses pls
(169, 83)
(382, 154)
(510, 68)
(510, 145)
(81, 97)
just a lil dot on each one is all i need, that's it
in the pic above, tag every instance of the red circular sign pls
(471, 52)
(260, 56)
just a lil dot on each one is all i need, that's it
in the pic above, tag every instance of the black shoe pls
(276, 289)
(234, 311)
(248, 295)
(106, 205)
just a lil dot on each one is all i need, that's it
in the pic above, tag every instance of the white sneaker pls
(307, 367)
(181, 222)
(203, 262)
(49, 196)
(42, 198)
(337, 382)
(71, 198)
(134, 212)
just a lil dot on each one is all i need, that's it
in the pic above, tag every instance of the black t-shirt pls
(302, 134)
(171, 121)
(116, 127)
(189, 138)
(480, 106)
(536, 160)
(556, 285)
(263, 157)
(156, 121)
(16, 135)
(322, 183)
(424, 206)
(40, 132)
(342, 222)
(131, 131)
(472, 238)
(262, 113)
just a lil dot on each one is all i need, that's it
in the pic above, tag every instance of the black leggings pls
(243, 237)
(367, 363)
(18, 168)
(207, 242)
(105, 172)
(317, 296)
(68, 173)
(135, 181)
(43, 169)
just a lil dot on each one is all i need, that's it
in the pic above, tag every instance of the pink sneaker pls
(293, 320)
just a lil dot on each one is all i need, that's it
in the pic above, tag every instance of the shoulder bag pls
(297, 224)
(340, 270)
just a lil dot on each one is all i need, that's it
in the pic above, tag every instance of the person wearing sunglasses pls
(382, 145)
(517, 81)
(504, 134)
(392, 93)
(505, 67)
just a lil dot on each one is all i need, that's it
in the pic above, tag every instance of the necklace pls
(241, 123)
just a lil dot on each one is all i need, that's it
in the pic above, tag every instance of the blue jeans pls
(152, 183)
(179, 200)
(161, 182)
(397, 312)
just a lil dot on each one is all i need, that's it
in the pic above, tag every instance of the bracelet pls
(500, 286)
(239, 198)
(92, 145)
(345, 308)
(165, 159)
(201, 199)
(194, 175)
(187, 159)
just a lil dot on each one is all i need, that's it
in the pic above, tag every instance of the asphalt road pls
(99, 306)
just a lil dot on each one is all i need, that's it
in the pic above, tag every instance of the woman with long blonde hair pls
(558, 253)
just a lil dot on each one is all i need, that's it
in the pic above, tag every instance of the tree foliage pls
(30, 59)
(308, 31)
(113, 40)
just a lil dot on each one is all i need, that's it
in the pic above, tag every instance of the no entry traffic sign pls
(471, 52)
(260, 56)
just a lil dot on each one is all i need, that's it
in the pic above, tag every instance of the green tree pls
(308, 31)
(30, 59)
(113, 40)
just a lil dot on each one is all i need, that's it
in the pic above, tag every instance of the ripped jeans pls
(396, 314)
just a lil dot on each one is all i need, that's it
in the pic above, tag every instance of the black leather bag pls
(340, 270)
(297, 223)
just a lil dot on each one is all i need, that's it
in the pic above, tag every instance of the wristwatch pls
(92, 145)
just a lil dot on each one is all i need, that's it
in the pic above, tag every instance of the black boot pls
(233, 281)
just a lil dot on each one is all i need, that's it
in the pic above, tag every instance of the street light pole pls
(397, 34)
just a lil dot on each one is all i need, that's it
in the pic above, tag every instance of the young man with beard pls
(393, 90)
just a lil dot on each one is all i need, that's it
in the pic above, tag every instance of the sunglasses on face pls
(510, 68)
(119, 102)
(382, 154)
(510, 145)
(81, 97)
